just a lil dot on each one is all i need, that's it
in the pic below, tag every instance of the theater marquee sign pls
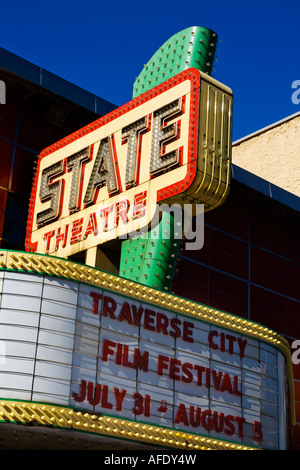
(89, 351)
(171, 144)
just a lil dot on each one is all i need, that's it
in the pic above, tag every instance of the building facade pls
(247, 270)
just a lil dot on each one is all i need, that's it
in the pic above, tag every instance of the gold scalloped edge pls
(56, 416)
(65, 268)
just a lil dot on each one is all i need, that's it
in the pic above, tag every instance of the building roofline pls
(259, 184)
(265, 129)
(20, 67)
(266, 188)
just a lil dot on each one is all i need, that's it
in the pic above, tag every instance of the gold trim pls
(64, 268)
(39, 414)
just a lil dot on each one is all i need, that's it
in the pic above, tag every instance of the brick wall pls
(273, 154)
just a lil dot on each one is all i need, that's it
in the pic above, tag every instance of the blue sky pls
(102, 46)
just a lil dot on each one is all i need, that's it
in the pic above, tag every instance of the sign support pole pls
(192, 47)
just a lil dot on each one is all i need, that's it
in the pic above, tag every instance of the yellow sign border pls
(56, 416)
